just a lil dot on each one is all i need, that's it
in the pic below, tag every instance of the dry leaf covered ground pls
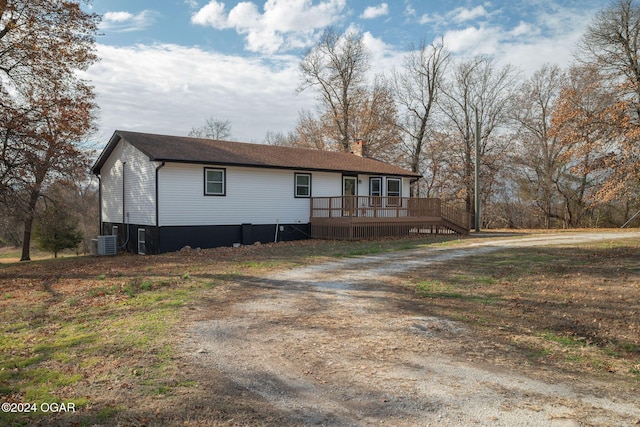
(488, 331)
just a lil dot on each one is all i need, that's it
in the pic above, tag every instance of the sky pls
(168, 65)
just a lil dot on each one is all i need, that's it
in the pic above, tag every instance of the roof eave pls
(111, 145)
(301, 168)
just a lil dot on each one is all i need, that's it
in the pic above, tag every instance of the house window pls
(214, 182)
(303, 185)
(393, 191)
(142, 245)
(375, 191)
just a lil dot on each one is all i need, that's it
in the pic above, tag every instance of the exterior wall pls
(253, 195)
(111, 187)
(406, 187)
(258, 203)
(128, 182)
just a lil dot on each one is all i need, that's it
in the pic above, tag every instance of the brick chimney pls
(360, 148)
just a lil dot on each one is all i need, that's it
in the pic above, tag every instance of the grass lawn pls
(85, 331)
(93, 334)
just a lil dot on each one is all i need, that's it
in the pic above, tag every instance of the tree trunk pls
(28, 221)
(26, 239)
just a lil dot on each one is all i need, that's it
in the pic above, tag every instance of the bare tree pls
(477, 84)
(280, 139)
(336, 67)
(213, 128)
(416, 89)
(375, 122)
(539, 153)
(612, 43)
(315, 133)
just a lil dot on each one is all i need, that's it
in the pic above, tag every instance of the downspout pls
(158, 205)
(125, 216)
(97, 174)
(124, 191)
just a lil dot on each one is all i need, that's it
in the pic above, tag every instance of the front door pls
(349, 193)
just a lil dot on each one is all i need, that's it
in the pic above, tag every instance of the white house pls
(160, 193)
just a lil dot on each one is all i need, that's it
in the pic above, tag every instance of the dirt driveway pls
(341, 344)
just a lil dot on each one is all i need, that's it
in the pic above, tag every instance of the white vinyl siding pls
(128, 164)
(253, 195)
(111, 186)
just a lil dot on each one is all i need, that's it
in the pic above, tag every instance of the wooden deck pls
(364, 217)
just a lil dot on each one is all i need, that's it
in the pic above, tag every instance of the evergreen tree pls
(57, 230)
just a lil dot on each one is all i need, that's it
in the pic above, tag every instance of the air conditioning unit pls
(107, 245)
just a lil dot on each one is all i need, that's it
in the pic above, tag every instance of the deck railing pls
(374, 207)
(373, 216)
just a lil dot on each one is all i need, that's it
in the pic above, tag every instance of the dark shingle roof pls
(207, 151)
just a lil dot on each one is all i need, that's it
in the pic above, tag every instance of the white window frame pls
(393, 197)
(375, 196)
(222, 182)
(299, 186)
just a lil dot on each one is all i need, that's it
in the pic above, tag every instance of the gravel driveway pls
(340, 344)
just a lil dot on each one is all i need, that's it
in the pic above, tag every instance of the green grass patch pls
(564, 340)
(39, 363)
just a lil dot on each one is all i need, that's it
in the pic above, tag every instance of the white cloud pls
(118, 16)
(462, 14)
(211, 14)
(170, 89)
(473, 40)
(373, 12)
(383, 56)
(283, 24)
(549, 37)
(121, 21)
(428, 19)
(458, 15)
(524, 29)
